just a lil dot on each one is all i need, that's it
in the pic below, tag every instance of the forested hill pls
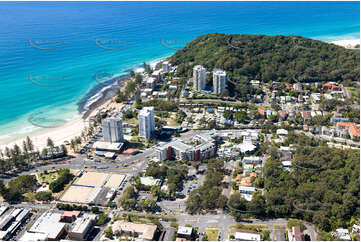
(269, 58)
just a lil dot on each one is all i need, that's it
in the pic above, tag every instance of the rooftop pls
(184, 230)
(146, 231)
(150, 181)
(82, 223)
(48, 223)
(247, 235)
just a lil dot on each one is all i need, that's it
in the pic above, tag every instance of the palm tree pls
(63, 148)
(25, 150)
(1, 154)
(7, 152)
(16, 155)
(50, 144)
(72, 144)
(30, 146)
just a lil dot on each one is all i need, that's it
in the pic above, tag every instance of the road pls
(229, 166)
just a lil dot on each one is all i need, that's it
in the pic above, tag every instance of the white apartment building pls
(166, 66)
(219, 81)
(112, 130)
(199, 77)
(146, 122)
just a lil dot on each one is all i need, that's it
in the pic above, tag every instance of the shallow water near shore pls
(52, 53)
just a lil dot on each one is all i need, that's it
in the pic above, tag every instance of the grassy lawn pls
(212, 234)
(256, 227)
(172, 122)
(131, 121)
(48, 178)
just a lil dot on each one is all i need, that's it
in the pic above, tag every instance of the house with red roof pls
(352, 129)
(261, 112)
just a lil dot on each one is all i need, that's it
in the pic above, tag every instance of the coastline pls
(97, 98)
(353, 44)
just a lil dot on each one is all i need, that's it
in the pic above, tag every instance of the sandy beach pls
(72, 128)
(348, 44)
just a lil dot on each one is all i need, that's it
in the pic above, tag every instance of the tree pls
(64, 178)
(43, 196)
(25, 150)
(127, 200)
(132, 73)
(240, 116)
(95, 210)
(64, 149)
(138, 78)
(212, 124)
(102, 219)
(108, 232)
(138, 99)
(29, 144)
(50, 143)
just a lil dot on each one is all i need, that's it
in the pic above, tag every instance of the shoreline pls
(353, 44)
(72, 128)
(106, 92)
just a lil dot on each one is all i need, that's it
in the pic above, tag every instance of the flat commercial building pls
(199, 77)
(219, 81)
(112, 130)
(107, 146)
(146, 122)
(11, 220)
(49, 225)
(246, 235)
(142, 231)
(81, 227)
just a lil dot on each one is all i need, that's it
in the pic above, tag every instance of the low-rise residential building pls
(255, 83)
(287, 165)
(282, 115)
(316, 97)
(342, 234)
(252, 160)
(351, 128)
(338, 117)
(150, 83)
(157, 75)
(297, 87)
(246, 192)
(306, 116)
(281, 132)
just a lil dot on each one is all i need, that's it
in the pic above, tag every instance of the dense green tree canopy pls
(268, 58)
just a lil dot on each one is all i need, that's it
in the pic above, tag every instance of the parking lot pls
(194, 181)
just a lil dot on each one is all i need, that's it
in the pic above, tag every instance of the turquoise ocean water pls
(53, 53)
